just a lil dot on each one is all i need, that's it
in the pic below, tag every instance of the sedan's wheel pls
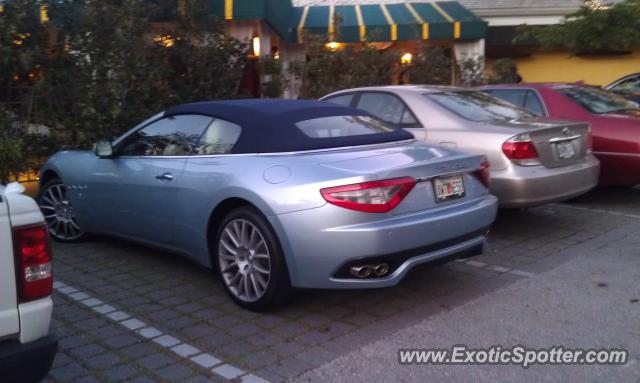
(250, 261)
(58, 212)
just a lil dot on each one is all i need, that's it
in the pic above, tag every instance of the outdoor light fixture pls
(166, 41)
(332, 46)
(255, 46)
(406, 58)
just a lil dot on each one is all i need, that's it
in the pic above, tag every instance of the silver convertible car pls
(275, 194)
(533, 160)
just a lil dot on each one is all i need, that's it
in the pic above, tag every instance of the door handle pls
(165, 176)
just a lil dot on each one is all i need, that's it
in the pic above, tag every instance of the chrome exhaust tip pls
(381, 269)
(363, 271)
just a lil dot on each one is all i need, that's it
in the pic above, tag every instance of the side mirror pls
(103, 148)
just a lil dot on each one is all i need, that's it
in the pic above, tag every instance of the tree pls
(591, 30)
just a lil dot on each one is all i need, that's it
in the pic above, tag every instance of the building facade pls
(503, 18)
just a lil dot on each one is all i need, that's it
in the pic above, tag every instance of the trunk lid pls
(558, 143)
(423, 162)
(9, 317)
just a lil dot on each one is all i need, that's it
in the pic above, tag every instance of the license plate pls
(565, 150)
(448, 188)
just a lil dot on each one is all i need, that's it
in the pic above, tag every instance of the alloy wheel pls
(59, 214)
(245, 262)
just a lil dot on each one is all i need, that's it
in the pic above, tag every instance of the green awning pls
(276, 13)
(372, 22)
(388, 22)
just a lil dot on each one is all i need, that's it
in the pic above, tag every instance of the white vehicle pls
(27, 346)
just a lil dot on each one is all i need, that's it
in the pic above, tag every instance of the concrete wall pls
(558, 66)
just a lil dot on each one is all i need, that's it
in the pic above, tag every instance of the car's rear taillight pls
(521, 150)
(33, 262)
(483, 175)
(370, 197)
(589, 142)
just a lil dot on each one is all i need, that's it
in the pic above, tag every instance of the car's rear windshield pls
(478, 106)
(344, 126)
(599, 101)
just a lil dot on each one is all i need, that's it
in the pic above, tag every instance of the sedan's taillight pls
(33, 262)
(483, 175)
(521, 150)
(370, 197)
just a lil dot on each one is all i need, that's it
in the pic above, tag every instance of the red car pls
(615, 122)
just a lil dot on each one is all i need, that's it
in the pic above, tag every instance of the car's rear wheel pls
(58, 212)
(250, 261)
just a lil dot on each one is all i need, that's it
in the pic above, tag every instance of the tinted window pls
(172, 136)
(388, 108)
(599, 101)
(514, 96)
(344, 99)
(219, 138)
(629, 85)
(532, 103)
(478, 106)
(343, 126)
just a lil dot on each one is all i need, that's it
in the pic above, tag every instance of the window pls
(631, 84)
(599, 101)
(343, 126)
(533, 104)
(514, 96)
(171, 136)
(344, 99)
(219, 138)
(388, 108)
(478, 106)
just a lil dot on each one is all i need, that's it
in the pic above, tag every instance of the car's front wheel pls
(250, 261)
(58, 212)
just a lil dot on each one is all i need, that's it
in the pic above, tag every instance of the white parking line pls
(180, 348)
(602, 211)
(496, 268)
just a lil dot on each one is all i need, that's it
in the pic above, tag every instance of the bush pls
(12, 158)
(471, 71)
(100, 67)
(431, 66)
(504, 71)
(325, 70)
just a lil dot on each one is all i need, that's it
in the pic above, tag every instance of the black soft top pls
(268, 125)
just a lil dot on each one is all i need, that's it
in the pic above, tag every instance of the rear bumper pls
(28, 362)
(526, 186)
(319, 243)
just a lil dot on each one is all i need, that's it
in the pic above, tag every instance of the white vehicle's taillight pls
(521, 150)
(370, 197)
(33, 262)
(483, 174)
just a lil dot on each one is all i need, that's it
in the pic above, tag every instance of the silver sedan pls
(275, 194)
(533, 160)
